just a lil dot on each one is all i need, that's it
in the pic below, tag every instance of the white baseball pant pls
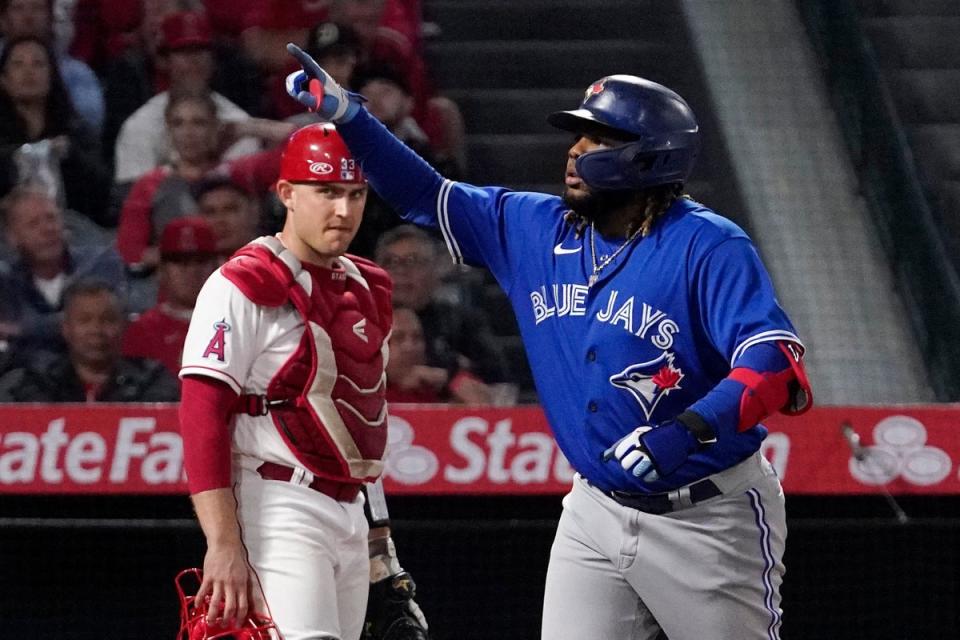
(309, 551)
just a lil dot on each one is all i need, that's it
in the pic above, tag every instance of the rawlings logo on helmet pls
(320, 168)
(193, 618)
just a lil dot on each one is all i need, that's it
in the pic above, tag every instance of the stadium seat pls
(915, 42)
(926, 96)
(936, 148)
(909, 7)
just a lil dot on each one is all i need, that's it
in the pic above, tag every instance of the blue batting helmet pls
(659, 130)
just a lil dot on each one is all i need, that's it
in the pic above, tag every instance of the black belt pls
(659, 503)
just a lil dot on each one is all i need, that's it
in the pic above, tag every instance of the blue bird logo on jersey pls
(649, 382)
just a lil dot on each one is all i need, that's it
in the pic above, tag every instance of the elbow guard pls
(785, 389)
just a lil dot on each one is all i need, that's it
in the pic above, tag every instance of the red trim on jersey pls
(206, 406)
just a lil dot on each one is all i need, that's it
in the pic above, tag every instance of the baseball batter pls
(657, 346)
(283, 413)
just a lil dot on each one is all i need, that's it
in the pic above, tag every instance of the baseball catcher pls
(284, 418)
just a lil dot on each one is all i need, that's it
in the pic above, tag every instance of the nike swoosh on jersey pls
(560, 250)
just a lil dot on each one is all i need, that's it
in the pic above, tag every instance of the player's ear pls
(285, 192)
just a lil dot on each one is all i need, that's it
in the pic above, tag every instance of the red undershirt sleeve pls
(206, 406)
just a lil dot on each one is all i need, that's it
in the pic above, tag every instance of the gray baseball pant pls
(708, 571)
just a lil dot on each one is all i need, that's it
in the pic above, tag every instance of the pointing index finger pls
(296, 52)
(309, 64)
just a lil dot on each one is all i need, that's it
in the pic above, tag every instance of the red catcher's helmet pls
(193, 618)
(317, 153)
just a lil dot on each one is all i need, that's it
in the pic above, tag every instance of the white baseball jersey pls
(245, 344)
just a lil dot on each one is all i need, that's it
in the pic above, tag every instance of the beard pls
(597, 206)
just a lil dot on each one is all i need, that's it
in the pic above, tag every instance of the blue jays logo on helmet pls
(594, 89)
(658, 128)
(648, 382)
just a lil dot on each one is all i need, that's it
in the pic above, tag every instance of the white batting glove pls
(317, 91)
(633, 455)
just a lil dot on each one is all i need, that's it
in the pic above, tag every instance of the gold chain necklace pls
(597, 268)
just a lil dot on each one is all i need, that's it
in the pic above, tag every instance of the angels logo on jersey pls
(648, 382)
(218, 343)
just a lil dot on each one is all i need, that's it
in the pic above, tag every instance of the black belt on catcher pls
(660, 503)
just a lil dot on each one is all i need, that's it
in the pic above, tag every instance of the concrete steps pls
(567, 19)
(521, 64)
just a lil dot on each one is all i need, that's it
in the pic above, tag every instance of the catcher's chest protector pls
(328, 399)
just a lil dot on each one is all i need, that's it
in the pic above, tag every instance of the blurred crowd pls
(139, 144)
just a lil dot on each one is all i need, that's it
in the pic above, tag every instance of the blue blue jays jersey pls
(661, 326)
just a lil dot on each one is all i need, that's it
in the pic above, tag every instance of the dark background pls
(83, 567)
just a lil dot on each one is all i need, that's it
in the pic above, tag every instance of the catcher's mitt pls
(391, 612)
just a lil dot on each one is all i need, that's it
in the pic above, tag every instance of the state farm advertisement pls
(136, 449)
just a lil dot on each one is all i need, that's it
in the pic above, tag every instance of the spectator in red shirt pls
(268, 29)
(138, 90)
(229, 18)
(188, 255)
(232, 212)
(103, 29)
(166, 192)
(274, 23)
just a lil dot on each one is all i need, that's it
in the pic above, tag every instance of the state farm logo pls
(406, 462)
(900, 449)
(133, 451)
(321, 168)
(481, 451)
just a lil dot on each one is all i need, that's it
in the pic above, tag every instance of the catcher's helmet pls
(659, 130)
(193, 619)
(317, 153)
